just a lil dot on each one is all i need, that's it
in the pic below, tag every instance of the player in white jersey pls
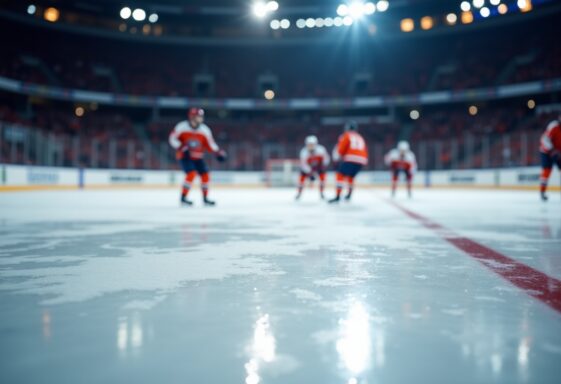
(191, 139)
(314, 160)
(401, 160)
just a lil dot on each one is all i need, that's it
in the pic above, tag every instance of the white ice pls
(115, 286)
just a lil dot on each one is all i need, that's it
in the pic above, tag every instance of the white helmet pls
(403, 146)
(311, 140)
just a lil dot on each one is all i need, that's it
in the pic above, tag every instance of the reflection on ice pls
(354, 342)
(262, 349)
(129, 334)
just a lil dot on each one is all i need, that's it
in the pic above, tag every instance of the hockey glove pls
(221, 155)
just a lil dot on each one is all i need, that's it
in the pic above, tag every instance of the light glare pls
(382, 5)
(139, 14)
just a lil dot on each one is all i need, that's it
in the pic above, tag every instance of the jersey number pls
(357, 143)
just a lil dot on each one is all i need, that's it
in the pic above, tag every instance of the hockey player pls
(401, 160)
(314, 160)
(550, 152)
(352, 153)
(191, 139)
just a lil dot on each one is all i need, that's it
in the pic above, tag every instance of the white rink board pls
(24, 175)
(29, 176)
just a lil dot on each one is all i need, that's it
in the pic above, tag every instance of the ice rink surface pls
(126, 287)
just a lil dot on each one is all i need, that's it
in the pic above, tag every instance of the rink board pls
(20, 177)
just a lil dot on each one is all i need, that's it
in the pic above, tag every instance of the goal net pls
(282, 172)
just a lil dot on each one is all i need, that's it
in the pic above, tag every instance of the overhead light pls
(473, 110)
(503, 9)
(272, 6)
(260, 9)
(310, 23)
(269, 94)
(427, 23)
(369, 8)
(531, 104)
(524, 5)
(485, 12)
(79, 111)
(343, 10)
(275, 24)
(139, 14)
(125, 13)
(320, 22)
(301, 23)
(51, 14)
(478, 3)
(285, 24)
(31, 9)
(467, 17)
(382, 5)
(328, 22)
(451, 18)
(348, 21)
(495, 2)
(465, 6)
(407, 25)
(338, 21)
(355, 10)
(414, 114)
(153, 18)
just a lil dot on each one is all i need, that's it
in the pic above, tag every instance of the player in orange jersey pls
(191, 139)
(314, 160)
(352, 153)
(550, 148)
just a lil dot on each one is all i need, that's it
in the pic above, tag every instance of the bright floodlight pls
(31, 9)
(485, 12)
(269, 94)
(382, 6)
(260, 9)
(495, 2)
(503, 8)
(369, 8)
(125, 13)
(478, 3)
(310, 23)
(319, 22)
(301, 23)
(355, 10)
(414, 114)
(139, 14)
(338, 21)
(343, 10)
(153, 18)
(465, 6)
(347, 20)
(285, 24)
(272, 6)
(275, 24)
(328, 22)
(451, 18)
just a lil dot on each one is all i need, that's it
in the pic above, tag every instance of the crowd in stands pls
(481, 59)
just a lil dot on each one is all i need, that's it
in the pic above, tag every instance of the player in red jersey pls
(314, 160)
(352, 153)
(191, 139)
(550, 152)
(401, 160)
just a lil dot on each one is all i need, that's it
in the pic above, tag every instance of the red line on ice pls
(537, 284)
